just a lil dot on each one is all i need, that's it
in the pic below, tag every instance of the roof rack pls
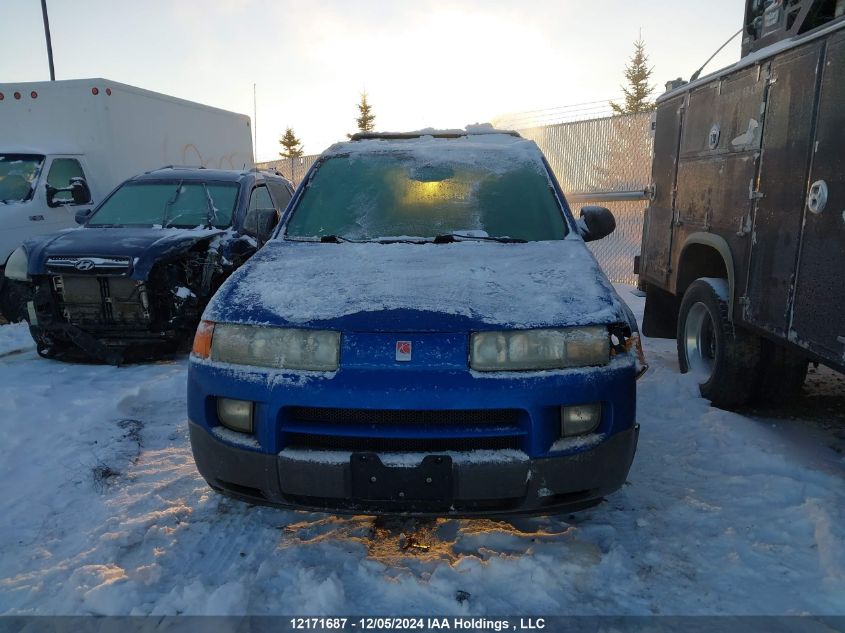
(176, 167)
(398, 136)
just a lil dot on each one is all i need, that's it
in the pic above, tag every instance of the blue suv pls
(426, 334)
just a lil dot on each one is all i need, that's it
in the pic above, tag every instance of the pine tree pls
(638, 91)
(292, 146)
(367, 120)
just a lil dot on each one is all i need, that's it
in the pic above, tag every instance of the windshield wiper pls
(324, 239)
(170, 203)
(451, 238)
(211, 217)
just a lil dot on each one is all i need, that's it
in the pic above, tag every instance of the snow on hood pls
(478, 284)
(143, 245)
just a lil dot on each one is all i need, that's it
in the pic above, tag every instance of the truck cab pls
(41, 192)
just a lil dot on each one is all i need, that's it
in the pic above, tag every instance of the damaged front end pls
(112, 309)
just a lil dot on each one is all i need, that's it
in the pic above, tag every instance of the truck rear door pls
(787, 145)
(817, 319)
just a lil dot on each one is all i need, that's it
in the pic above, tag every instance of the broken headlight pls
(16, 266)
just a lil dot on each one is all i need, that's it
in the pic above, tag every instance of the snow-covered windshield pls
(473, 191)
(175, 203)
(18, 174)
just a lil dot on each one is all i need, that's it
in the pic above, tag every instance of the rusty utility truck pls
(743, 252)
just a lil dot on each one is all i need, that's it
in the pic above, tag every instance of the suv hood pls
(420, 287)
(143, 246)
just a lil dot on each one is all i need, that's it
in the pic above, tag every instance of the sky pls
(423, 63)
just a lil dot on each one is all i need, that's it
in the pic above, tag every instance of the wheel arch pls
(705, 255)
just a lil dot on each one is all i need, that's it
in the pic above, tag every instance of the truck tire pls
(782, 374)
(13, 298)
(725, 358)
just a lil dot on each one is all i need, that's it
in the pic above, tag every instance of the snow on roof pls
(476, 129)
(478, 146)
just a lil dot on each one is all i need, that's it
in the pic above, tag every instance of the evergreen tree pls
(638, 91)
(367, 120)
(291, 146)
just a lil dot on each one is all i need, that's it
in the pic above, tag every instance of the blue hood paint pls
(308, 275)
(144, 246)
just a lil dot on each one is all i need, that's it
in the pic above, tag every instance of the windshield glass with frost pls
(476, 191)
(18, 175)
(183, 204)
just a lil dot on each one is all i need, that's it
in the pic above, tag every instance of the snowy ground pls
(103, 512)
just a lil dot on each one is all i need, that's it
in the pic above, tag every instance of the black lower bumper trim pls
(535, 486)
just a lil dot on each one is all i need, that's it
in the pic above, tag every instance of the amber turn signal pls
(202, 339)
(636, 343)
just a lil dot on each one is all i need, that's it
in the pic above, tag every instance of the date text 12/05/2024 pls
(419, 624)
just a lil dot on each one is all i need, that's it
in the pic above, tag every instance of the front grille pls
(313, 441)
(400, 417)
(92, 265)
(102, 301)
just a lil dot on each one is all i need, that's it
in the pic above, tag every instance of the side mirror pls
(51, 197)
(259, 223)
(596, 223)
(79, 191)
(82, 215)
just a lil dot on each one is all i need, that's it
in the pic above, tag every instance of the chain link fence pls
(604, 161)
(294, 169)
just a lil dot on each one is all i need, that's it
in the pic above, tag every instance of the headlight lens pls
(16, 265)
(579, 420)
(521, 350)
(235, 414)
(282, 348)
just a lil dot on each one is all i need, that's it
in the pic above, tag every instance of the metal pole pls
(254, 126)
(49, 41)
(610, 196)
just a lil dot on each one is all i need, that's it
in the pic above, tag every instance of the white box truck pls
(64, 145)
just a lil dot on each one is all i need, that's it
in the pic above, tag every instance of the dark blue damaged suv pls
(426, 334)
(135, 278)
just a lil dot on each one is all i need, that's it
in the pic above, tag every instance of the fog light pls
(579, 420)
(235, 414)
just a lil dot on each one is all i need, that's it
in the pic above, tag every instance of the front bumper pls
(100, 327)
(478, 487)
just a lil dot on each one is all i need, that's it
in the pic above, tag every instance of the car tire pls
(781, 376)
(13, 298)
(725, 358)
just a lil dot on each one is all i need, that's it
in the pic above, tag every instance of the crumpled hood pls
(143, 246)
(420, 287)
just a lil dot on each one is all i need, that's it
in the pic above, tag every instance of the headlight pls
(579, 420)
(16, 265)
(283, 348)
(539, 349)
(235, 414)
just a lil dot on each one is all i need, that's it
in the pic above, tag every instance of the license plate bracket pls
(430, 481)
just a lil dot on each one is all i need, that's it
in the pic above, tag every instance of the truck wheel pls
(782, 374)
(13, 298)
(724, 358)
